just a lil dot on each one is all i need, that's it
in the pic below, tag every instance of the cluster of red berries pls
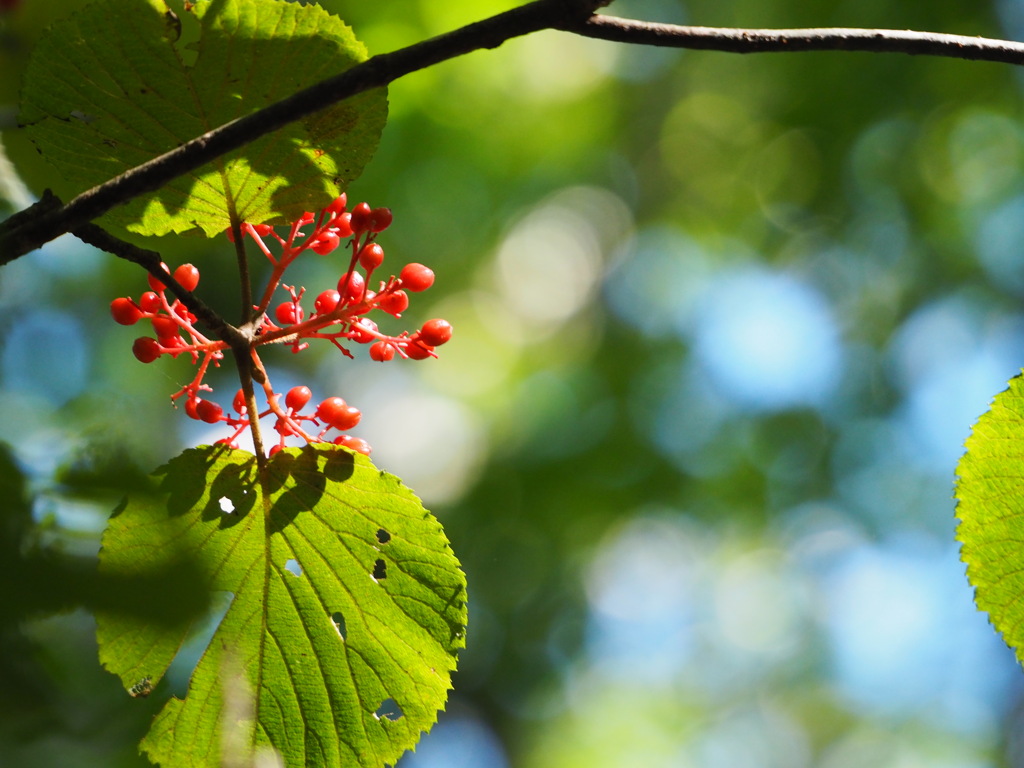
(339, 315)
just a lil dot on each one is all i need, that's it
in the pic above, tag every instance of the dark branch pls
(150, 261)
(48, 219)
(789, 40)
(41, 223)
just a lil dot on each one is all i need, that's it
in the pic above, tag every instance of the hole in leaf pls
(383, 536)
(292, 566)
(339, 623)
(226, 505)
(389, 708)
(380, 570)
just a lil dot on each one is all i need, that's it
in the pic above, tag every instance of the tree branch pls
(42, 222)
(47, 219)
(790, 40)
(150, 261)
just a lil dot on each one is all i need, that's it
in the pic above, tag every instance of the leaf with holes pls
(990, 494)
(119, 83)
(346, 609)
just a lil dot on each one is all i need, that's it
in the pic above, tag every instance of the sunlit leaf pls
(119, 83)
(990, 492)
(347, 608)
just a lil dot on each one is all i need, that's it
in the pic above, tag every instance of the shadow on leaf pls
(310, 469)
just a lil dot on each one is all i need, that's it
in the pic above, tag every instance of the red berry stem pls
(191, 389)
(287, 423)
(248, 229)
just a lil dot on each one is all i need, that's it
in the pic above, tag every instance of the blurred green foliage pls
(585, 206)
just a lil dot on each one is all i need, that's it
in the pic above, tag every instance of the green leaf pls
(123, 81)
(990, 494)
(347, 609)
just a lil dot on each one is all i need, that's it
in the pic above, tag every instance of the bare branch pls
(790, 40)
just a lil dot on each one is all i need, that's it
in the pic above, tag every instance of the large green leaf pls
(347, 609)
(115, 85)
(990, 493)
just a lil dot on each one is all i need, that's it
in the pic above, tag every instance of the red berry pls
(274, 449)
(209, 411)
(146, 350)
(297, 398)
(351, 418)
(155, 284)
(342, 226)
(187, 277)
(262, 229)
(382, 351)
(354, 443)
(328, 407)
(182, 311)
(394, 302)
(164, 326)
(417, 350)
(239, 402)
(190, 408)
(380, 219)
(172, 342)
(288, 313)
(327, 301)
(416, 277)
(125, 311)
(360, 221)
(337, 206)
(359, 334)
(149, 302)
(351, 286)
(338, 413)
(435, 332)
(326, 243)
(371, 256)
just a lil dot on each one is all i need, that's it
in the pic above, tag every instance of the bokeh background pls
(722, 326)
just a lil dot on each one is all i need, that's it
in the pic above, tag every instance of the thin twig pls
(789, 40)
(151, 262)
